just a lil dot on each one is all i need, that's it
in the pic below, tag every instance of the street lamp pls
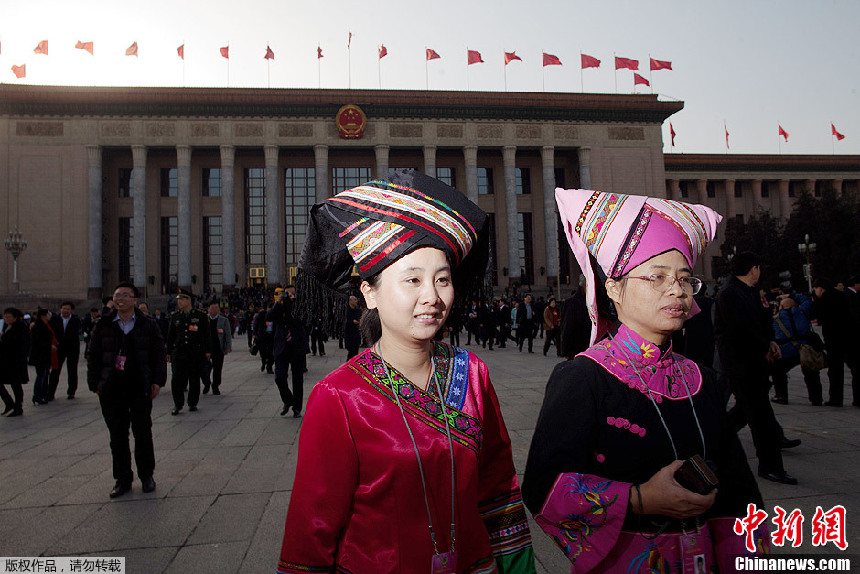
(807, 248)
(15, 245)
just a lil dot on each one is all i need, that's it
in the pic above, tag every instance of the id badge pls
(192, 328)
(445, 563)
(119, 364)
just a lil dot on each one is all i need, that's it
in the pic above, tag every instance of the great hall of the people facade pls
(211, 187)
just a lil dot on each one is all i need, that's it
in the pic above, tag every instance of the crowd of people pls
(634, 451)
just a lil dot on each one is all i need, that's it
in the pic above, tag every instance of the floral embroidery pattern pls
(623, 423)
(578, 527)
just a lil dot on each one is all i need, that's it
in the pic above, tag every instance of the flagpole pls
(379, 68)
(228, 64)
(506, 77)
(183, 63)
(581, 76)
(468, 88)
(426, 69)
(779, 143)
(832, 138)
(616, 72)
(268, 68)
(349, 62)
(650, 75)
(319, 68)
(726, 131)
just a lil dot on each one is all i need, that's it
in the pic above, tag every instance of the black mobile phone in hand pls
(696, 475)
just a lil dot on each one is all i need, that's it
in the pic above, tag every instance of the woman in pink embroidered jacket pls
(404, 461)
(618, 420)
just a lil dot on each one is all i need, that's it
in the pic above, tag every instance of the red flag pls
(383, 51)
(432, 55)
(511, 56)
(42, 48)
(660, 65)
(626, 63)
(349, 42)
(783, 133)
(319, 53)
(20, 71)
(132, 50)
(637, 80)
(181, 51)
(270, 55)
(225, 52)
(473, 57)
(589, 61)
(550, 60)
(672, 133)
(727, 134)
(839, 137)
(88, 46)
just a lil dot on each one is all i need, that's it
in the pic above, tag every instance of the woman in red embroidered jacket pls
(404, 461)
(618, 420)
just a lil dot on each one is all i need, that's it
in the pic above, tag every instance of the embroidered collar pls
(628, 356)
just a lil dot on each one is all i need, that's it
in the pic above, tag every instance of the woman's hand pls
(663, 495)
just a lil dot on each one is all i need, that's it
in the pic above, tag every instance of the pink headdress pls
(622, 231)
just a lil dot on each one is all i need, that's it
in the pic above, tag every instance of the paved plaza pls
(225, 473)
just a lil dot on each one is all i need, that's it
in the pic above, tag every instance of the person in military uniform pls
(188, 342)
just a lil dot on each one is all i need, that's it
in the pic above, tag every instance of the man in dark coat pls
(127, 367)
(745, 345)
(68, 330)
(832, 310)
(351, 332)
(188, 343)
(290, 349)
(575, 324)
(526, 316)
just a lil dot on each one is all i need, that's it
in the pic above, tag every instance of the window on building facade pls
(125, 263)
(255, 217)
(711, 188)
(563, 256)
(446, 175)
(299, 196)
(817, 188)
(739, 218)
(348, 177)
(523, 179)
(169, 182)
(211, 182)
(791, 189)
(524, 243)
(213, 253)
(485, 181)
(739, 190)
(491, 230)
(765, 189)
(169, 254)
(125, 182)
(559, 177)
(683, 189)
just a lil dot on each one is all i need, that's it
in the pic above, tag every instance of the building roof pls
(30, 100)
(745, 163)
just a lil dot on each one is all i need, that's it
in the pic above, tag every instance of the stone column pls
(701, 191)
(509, 158)
(430, 161)
(470, 154)
(674, 189)
(756, 192)
(547, 154)
(784, 199)
(183, 213)
(585, 167)
(730, 198)
(381, 160)
(809, 185)
(273, 217)
(321, 172)
(94, 198)
(837, 187)
(228, 239)
(138, 154)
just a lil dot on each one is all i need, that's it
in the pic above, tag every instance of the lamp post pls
(807, 248)
(15, 245)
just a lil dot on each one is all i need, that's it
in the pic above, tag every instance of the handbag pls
(810, 358)
(253, 348)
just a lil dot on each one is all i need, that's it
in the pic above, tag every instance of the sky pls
(753, 64)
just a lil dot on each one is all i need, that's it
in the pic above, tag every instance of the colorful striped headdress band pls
(621, 231)
(361, 231)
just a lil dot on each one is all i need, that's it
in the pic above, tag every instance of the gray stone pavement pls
(225, 473)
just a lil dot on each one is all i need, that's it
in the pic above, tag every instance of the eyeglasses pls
(123, 296)
(183, 297)
(662, 283)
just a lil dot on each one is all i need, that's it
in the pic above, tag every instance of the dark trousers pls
(71, 372)
(265, 344)
(186, 375)
(753, 407)
(551, 337)
(120, 411)
(284, 363)
(779, 373)
(213, 367)
(17, 390)
(318, 341)
(40, 385)
(525, 331)
(836, 374)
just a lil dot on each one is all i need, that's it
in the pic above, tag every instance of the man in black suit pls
(67, 329)
(831, 309)
(526, 322)
(290, 347)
